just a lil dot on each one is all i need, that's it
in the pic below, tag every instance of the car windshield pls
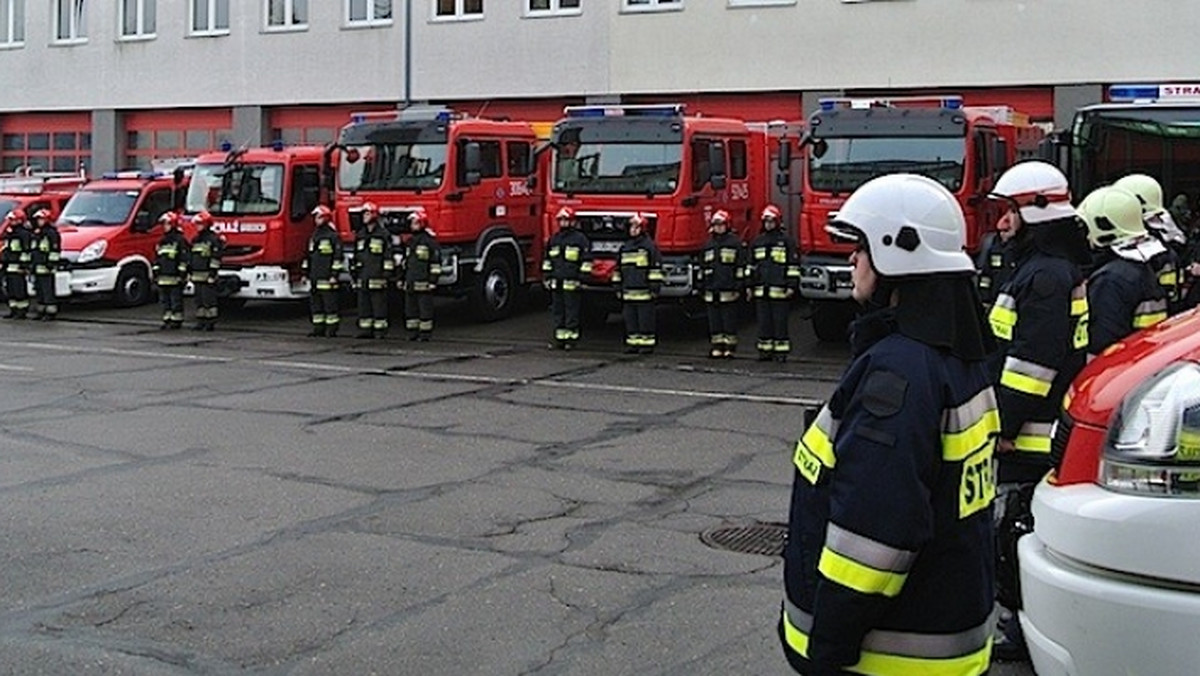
(392, 166)
(99, 207)
(236, 190)
(617, 168)
(6, 206)
(842, 164)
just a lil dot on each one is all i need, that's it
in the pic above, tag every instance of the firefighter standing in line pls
(722, 277)
(995, 263)
(1040, 320)
(17, 257)
(47, 254)
(204, 269)
(889, 559)
(323, 264)
(1123, 292)
(422, 267)
(1160, 224)
(374, 267)
(170, 269)
(567, 262)
(775, 276)
(638, 278)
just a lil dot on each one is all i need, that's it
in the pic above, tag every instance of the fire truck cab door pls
(710, 174)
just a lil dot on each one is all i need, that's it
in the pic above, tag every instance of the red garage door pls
(175, 134)
(46, 141)
(750, 106)
(315, 125)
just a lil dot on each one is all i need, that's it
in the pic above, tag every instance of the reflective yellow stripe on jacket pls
(1028, 377)
(815, 448)
(863, 564)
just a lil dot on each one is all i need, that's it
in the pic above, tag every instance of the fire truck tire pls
(494, 290)
(831, 320)
(133, 286)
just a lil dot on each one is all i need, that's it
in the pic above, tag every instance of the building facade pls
(114, 83)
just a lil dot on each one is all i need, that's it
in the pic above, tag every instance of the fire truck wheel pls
(133, 286)
(831, 320)
(495, 290)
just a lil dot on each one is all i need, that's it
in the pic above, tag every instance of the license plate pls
(606, 247)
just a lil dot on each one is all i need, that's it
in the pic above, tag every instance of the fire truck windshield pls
(236, 190)
(393, 166)
(847, 163)
(6, 206)
(99, 207)
(617, 168)
(1162, 141)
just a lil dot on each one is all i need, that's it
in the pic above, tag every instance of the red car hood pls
(74, 238)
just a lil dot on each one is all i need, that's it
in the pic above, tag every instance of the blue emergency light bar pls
(663, 110)
(947, 102)
(138, 174)
(1132, 92)
(1186, 91)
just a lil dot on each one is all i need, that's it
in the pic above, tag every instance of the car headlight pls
(1153, 444)
(93, 251)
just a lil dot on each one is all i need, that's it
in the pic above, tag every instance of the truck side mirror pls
(716, 160)
(785, 155)
(472, 163)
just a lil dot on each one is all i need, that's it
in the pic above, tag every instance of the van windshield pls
(6, 206)
(99, 207)
(236, 190)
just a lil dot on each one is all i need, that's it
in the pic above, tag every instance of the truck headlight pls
(93, 251)
(1153, 444)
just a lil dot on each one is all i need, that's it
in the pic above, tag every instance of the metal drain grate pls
(766, 539)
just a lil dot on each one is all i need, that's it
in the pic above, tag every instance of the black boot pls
(210, 325)
(318, 330)
(331, 331)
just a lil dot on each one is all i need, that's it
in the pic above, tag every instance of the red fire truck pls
(476, 178)
(32, 191)
(261, 201)
(612, 161)
(109, 230)
(850, 141)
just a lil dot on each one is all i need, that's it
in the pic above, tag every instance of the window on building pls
(457, 9)
(144, 147)
(652, 5)
(210, 17)
(298, 136)
(368, 12)
(551, 7)
(759, 3)
(70, 21)
(287, 13)
(138, 18)
(46, 151)
(12, 23)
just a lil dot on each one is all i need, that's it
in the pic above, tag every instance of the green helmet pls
(1146, 189)
(1113, 216)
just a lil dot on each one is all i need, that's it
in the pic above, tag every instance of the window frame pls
(77, 25)
(370, 21)
(8, 34)
(459, 12)
(651, 6)
(210, 31)
(738, 4)
(556, 9)
(141, 33)
(289, 10)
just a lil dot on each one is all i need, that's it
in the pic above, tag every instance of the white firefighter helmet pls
(1037, 189)
(1112, 216)
(1150, 195)
(910, 224)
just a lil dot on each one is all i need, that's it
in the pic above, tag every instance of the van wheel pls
(494, 292)
(133, 286)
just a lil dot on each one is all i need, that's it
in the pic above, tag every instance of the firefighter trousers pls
(206, 302)
(566, 307)
(418, 312)
(171, 298)
(17, 288)
(373, 309)
(324, 305)
(773, 325)
(723, 324)
(639, 324)
(43, 288)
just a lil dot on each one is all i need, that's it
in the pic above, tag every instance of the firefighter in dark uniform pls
(568, 261)
(170, 270)
(422, 267)
(994, 263)
(374, 267)
(47, 256)
(323, 265)
(889, 558)
(1040, 319)
(204, 270)
(722, 278)
(638, 278)
(774, 277)
(17, 259)
(1169, 264)
(1123, 292)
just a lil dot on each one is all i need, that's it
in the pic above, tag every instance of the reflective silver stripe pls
(1150, 307)
(908, 644)
(826, 423)
(868, 552)
(960, 418)
(1036, 429)
(1006, 301)
(1043, 374)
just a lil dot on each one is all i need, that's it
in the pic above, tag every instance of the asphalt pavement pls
(251, 501)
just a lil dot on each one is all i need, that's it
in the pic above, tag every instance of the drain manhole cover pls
(761, 538)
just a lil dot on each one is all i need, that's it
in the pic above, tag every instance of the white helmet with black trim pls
(1038, 190)
(910, 225)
